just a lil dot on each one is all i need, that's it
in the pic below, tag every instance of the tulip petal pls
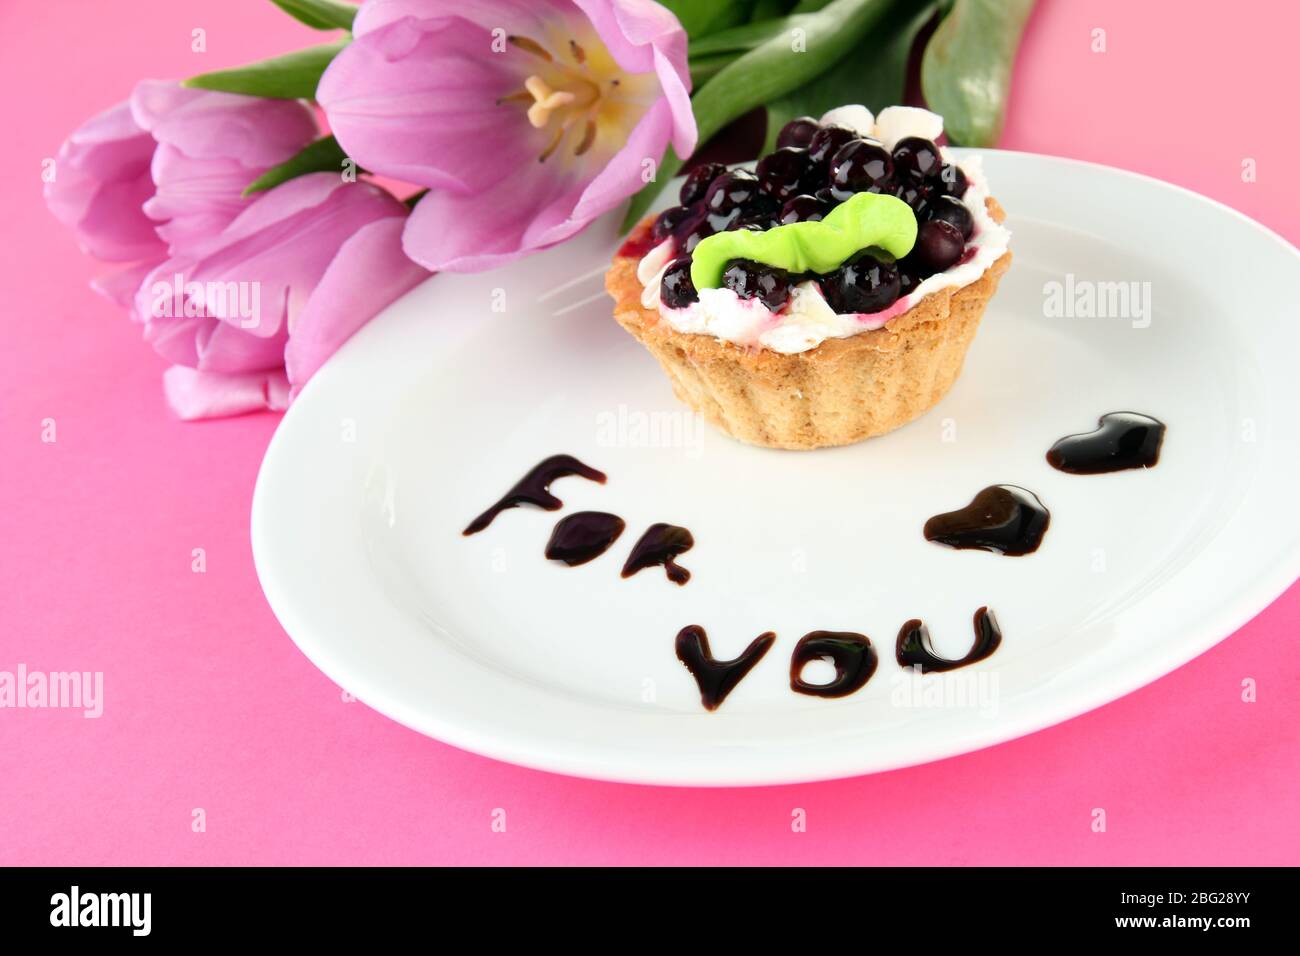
(232, 304)
(643, 36)
(534, 210)
(626, 171)
(205, 125)
(498, 225)
(101, 181)
(193, 394)
(369, 273)
(194, 199)
(120, 287)
(213, 345)
(418, 101)
(528, 17)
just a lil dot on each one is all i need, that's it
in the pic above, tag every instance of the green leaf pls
(320, 14)
(290, 77)
(767, 9)
(746, 36)
(767, 72)
(966, 71)
(707, 67)
(699, 18)
(874, 74)
(324, 155)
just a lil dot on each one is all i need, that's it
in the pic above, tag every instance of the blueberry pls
(724, 221)
(803, 208)
(797, 132)
(754, 280)
(868, 282)
(938, 245)
(860, 165)
(916, 158)
(953, 210)
(917, 195)
(760, 222)
(698, 181)
(691, 231)
(677, 290)
(826, 141)
(762, 204)
(908, 279)
(730, 191)
(669, 220)
(782, 174)
(951, 181)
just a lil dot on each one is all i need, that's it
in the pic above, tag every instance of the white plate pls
(441, 403)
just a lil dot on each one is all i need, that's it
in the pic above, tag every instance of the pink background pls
(209, 704)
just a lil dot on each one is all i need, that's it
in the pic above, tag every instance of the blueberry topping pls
(804, 208)
(860, 165)
(754, 280)
(953, 210)
(677, 290)
(797, 132)
(939, 245)
(917, 195)
(698, 181)
(813, 169)
(951, 181)
(731, 190)
(782, 174)
(759, 221)
(917, 158)
(826, 141)
(725, 221)
(669, 220)
(762, 204)
(908, 279)
(689, 234)
(868, 282)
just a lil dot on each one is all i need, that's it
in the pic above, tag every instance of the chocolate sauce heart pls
(1123, 440)
(1004, 519)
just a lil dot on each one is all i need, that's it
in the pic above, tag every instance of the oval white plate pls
(441, 403)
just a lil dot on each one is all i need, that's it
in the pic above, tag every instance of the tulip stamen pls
(530, 46)
(553, 144)
(545, 100)
(519, 96)
(572, 93)
(588, 137)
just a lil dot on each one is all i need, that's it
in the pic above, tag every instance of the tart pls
(826, 297)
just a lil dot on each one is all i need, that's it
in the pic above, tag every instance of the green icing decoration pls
(865, 219)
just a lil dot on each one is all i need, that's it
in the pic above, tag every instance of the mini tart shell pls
(840, 392)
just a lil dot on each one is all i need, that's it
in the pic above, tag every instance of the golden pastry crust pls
(840, 392)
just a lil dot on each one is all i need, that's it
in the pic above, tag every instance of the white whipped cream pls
(807, 319)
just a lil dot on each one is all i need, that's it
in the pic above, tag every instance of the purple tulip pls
(101, 183)
(275, 293)
(167, 165)
(527, 119)
(247, 296)
(210, 147)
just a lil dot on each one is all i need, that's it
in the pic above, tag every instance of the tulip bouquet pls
(260, 215)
